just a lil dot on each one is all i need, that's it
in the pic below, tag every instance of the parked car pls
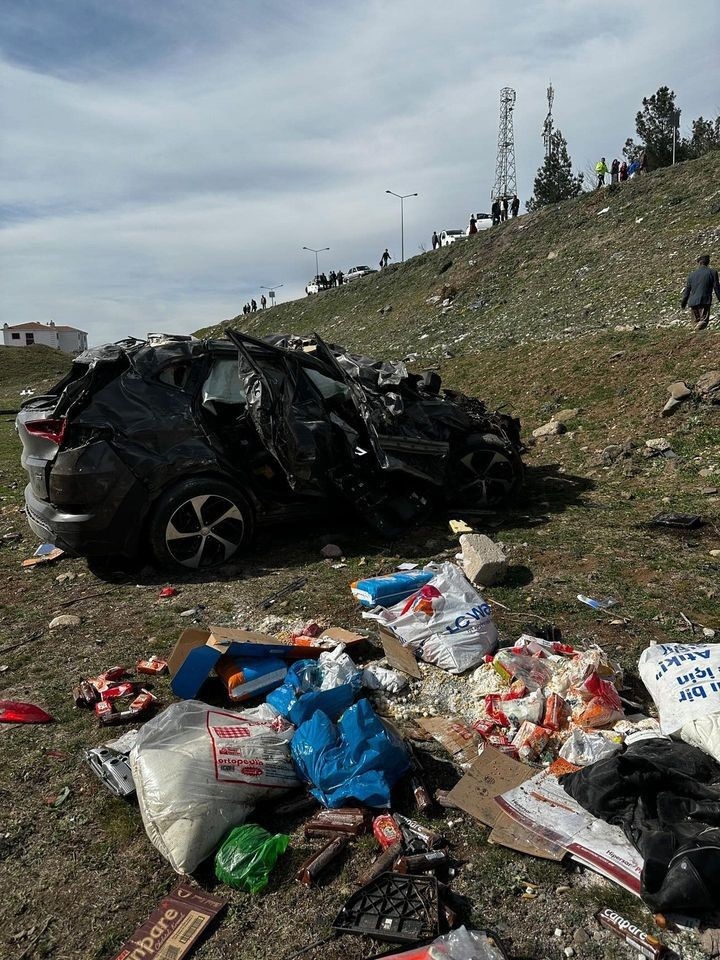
(483, 221)
(354, 272)
(448, 237)
(181, 447)
(316, 285)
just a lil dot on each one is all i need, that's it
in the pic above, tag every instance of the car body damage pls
(183, 445)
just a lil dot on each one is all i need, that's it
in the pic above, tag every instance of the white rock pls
(65, 621)
(484, 561)
(551, 429)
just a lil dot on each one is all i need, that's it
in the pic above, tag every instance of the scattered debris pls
(296, 584)
(17, 711)
(604, 604)
(645, 944)
(113, 769)
(65, 621)
(247, 857)
(484, 561)
(45, 553)
(173, 930)
(551, 429)
(682, 521)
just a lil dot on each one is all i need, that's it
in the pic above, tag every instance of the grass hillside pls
(36, 367)
(616, 256)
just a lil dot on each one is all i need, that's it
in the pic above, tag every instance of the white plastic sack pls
(684, 681)
(375, 677)
(199, 771)
(447, 621)
(337, 668)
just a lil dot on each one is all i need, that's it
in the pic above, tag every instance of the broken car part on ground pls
(184, 445)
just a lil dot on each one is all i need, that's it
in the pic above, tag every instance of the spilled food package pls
(446, 621)
(199, 771)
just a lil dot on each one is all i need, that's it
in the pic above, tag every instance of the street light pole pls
(402, 197)
(316, 252)
(271, 291)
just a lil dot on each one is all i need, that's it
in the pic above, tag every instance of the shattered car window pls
(175, 374)
(328, 388)
(222, 385)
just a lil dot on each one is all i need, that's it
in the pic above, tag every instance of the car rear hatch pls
(45, 424)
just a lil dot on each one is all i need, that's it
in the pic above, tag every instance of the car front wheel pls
(201, 522)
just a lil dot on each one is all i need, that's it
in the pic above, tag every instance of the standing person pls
(601, 169)
(263, 301)
(623, 172)
(331, 278)
(515, 206)
(384, 258)
(253, 305)
(633, 168)
(435, 240)
(644, 163)
(339, 278)
(615, 171)
(699, 290)
(473, 226)
(504, 209)
(495, 212)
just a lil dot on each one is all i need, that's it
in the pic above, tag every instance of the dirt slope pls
(615, 256)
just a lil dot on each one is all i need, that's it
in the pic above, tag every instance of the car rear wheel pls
(199, 523)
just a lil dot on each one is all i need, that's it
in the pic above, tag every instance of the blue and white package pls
(390, 589)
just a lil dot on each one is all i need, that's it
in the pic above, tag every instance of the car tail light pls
(52, 429)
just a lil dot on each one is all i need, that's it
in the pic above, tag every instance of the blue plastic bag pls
(357, 759)
(299, 697)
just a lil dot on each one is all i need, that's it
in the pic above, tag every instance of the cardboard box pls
(198, 650)
(171, 931)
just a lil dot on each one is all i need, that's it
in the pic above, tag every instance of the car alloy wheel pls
(204, 530)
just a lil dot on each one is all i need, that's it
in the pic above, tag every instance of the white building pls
(67, 339)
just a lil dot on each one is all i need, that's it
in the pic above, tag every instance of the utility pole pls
(505, 179)
(402, 197)
(676, 129)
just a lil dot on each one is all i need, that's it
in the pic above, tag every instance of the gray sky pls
(161, 161)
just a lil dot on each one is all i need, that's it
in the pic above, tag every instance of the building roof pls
(31, 327)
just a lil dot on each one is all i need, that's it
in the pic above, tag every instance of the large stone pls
(708, 386)
(484, 561)
(671, 406)
(65, 622)
(562, 416)
(552, 429)
(679, 390)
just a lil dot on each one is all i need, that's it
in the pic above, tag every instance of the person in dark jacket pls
(435, 240)
(615, 171)
(472, 229)
(504, 209)
(699, 290)
(515, 206)
(495, 211)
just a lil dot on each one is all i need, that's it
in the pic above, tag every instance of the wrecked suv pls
(180, 447)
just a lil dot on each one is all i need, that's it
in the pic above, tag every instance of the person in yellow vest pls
(601, 168)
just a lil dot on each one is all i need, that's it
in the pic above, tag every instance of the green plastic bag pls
(247, 856)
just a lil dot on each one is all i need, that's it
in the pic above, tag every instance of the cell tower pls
(505, 180)
(547, 131)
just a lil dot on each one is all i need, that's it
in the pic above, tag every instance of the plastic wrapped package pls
(597, 703)
(585, 748)
(573, 672)
(460, 944)
(247, 857)
(360, 758)
(534, 671)
(375, 677)
(329, 684)
(199, 771)
(447, 621)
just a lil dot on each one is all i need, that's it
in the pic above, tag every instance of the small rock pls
(433, 301)
(484, 561)
(709, 491)
(552, 429)
(708, 633)
(331, 551)
(189, 613)
(661, 444)
(569, 952)
(708, 387)
(564, 415)
(679, 390)
(552, 255)
(715, 553)
(611, 453)
(386, 309)
(65, 577)
(706, 471)
(65, 621)
(580, 936)
(558, 932)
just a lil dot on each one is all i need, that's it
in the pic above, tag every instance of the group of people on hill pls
(252, 306)
(499, 209)
(333, 279)
(620, 172)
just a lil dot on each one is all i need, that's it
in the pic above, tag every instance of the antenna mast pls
(505, 180)
(547, 131)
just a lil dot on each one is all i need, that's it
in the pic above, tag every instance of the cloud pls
(163, 161)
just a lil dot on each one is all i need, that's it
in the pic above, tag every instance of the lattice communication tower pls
(505, 179)
(549, 123)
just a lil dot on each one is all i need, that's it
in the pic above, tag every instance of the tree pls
(654, 126)
(705, 137)
(555, 180)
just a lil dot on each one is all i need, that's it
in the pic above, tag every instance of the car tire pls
(489, 472)
(198, 523)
